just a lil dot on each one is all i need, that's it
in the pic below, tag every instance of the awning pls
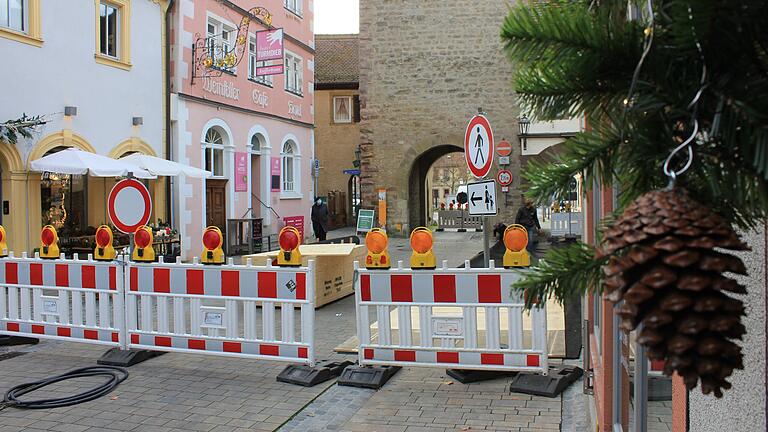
(163, 167)
(75, 161)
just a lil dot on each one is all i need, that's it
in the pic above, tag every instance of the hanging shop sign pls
(269, 45)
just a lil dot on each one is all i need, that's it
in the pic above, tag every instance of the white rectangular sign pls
(444, 327)
(503, 160)
(482, 198)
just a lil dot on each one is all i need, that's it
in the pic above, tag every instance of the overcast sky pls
(336, 16)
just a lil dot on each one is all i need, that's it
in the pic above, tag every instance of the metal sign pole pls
(130, 235)
(486, 242)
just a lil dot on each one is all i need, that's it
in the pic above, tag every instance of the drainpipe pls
(168, 134)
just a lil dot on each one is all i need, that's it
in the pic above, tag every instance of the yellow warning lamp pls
(3, 244)
(515, 240)
(378, 257)
(142, 245)
(421, 243)
(289, 240)
(104, 250)
(212, 241)
(50, 239)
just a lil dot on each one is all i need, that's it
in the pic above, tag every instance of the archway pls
(418, 196)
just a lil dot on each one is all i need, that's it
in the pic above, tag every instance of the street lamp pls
(523, 124)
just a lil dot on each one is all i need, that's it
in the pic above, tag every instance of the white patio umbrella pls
(75, 161)
(164, 167)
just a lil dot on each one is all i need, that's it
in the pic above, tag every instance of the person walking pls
(320, 219)
(528, 218)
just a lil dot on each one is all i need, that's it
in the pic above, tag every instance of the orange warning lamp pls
(104, 250)
(142, 245)
(212, 241)
(50, 239)
(378, 257)
(421, 243)
(515, 240)
(289, 240)
(3, 244)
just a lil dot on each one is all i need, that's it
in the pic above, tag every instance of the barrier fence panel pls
(80, 300)
(228, 310)
(566, 224)
(437, 314)
(451, 219)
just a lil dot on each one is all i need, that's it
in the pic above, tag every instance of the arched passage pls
(418, 196)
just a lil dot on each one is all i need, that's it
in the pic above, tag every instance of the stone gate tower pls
(426, 66)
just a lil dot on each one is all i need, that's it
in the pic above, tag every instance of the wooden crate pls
(333, 265)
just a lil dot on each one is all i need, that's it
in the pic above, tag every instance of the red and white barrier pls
(63, 299)
(446, 304)
(227, 310)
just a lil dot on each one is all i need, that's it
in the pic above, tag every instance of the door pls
(216, 203)
(256, 186)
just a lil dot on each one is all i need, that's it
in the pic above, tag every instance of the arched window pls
(214, 151)
(288, 166)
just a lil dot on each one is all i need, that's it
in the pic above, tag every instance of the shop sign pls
(269, 45)
(260, 98)
(241, 172)
(294, 109)
(223, 89)
(270, 70)
(275, 173)
(297, 222)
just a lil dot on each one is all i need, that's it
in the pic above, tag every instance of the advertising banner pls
(241, 172)
(275, 174)
(297, 222)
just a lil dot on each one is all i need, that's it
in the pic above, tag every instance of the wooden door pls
(216, 203)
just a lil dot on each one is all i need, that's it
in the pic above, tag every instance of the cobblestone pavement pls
(182, 392)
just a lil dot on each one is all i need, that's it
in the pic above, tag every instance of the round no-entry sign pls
(129, 205)
(504, 177)
(478, 146)
(504, 148)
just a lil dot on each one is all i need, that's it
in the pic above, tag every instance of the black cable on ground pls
(115, 375)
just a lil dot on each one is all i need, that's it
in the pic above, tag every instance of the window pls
(112, 33)
(13, 15)
(342, 109)
(20, 21)
(294, 6)
(256, 143)
(294, 73)
(221, 44)
(288, 171)
(214, 152)
(253, 64)
(108, 29)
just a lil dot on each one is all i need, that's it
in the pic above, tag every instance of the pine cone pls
(665, 268)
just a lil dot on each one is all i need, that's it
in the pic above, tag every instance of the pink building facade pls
(253, 132)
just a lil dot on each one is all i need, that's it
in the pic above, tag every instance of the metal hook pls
(687, 143)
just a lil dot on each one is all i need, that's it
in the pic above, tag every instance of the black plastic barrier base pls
(558, 379)
(306, 376)
(126, 358)
(17, 340)
(467, 376)
(373, 377)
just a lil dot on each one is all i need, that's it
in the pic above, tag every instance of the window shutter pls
(356, 108)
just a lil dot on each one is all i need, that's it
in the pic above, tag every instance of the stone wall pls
(742, 408)
(426, 66)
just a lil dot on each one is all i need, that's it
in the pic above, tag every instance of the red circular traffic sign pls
(129, 205)
(504, 148)
(478, 146)
(504, 177)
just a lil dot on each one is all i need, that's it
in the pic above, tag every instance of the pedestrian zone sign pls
(365, 220)
(478, 146)
(482, 198)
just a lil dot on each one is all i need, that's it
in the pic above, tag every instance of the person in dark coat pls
(528, 218)
(320, 219)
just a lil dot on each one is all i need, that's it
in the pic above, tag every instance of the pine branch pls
(24, 126)
(562, 274)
